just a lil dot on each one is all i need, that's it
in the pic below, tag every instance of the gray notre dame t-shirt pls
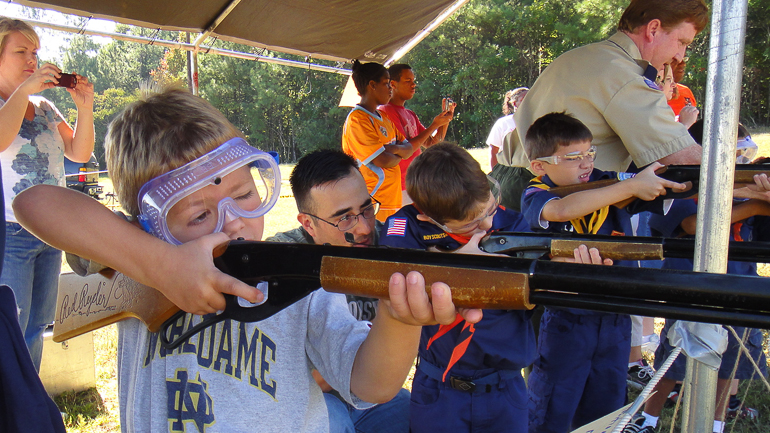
(237, 376)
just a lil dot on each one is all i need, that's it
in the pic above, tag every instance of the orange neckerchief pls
(465, 339)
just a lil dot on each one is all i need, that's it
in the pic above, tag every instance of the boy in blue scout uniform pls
(468, 376)
(580, 373)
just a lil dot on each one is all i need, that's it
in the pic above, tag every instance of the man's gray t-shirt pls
(361, 307)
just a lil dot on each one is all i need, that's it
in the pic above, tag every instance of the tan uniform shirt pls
(602, 85)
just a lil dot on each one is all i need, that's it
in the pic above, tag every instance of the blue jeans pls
(390, 417)
(32, 270)
(644, 230)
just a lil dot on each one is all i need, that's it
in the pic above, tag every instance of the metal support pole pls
(728, 30)
(195, 84)
(189, 64)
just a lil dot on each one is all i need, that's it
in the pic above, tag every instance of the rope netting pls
(648, 389)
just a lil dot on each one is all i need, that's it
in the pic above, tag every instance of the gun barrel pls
(744, 173)
(533, 245)
(682, 288)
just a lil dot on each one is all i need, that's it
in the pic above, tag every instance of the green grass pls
(96, 410)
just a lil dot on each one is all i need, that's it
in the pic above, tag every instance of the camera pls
(68, 80)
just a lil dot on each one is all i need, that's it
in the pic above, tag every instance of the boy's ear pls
(537, 167)
(307, 223)
(423, 217)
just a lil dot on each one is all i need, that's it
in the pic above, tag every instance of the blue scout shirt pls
(756, 228)
(502, 340)
(609, 220)
(606, 221)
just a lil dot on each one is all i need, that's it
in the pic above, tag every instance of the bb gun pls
(293, 271)
(744, 175)
(535, 245)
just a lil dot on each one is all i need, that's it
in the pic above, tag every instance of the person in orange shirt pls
(370, 137)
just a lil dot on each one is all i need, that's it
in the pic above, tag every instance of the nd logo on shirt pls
(384, 131)
(189, 401)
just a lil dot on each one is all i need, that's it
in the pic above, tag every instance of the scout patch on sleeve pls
(396, 227)
(651, 84)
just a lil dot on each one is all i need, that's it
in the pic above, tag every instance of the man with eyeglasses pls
(335, 208)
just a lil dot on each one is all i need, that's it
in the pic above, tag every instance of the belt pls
(481, 384)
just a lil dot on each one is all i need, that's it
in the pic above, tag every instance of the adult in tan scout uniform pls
(608, 86)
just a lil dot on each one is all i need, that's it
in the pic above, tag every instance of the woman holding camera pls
(34, 138)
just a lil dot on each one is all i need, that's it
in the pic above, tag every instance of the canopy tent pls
(337, 30)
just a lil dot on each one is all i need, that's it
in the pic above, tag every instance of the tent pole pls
(195, 84)
(722, 109)
(189, 65)
(190, 47)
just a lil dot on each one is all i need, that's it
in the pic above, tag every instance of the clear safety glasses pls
(571, 159)
(746, 150)
(232, 181)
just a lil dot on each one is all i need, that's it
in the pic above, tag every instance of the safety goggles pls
(494, 188)
(251, 191)
(746, 150)
(571, 159)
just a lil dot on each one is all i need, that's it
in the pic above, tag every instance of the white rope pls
(744, 350)
(647, 390)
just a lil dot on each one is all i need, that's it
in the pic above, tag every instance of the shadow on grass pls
(80, 406)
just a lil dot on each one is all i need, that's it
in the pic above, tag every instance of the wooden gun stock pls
(88, 303)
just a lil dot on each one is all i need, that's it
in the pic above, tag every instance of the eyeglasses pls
(347, 222)
(571, 159)
(494, 188)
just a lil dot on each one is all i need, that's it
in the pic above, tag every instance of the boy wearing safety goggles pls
(183, 171)
(468, 376)
(580, 373)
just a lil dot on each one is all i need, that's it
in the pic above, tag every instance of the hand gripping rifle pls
(292, 271)
(744, 174)
(535, 245)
